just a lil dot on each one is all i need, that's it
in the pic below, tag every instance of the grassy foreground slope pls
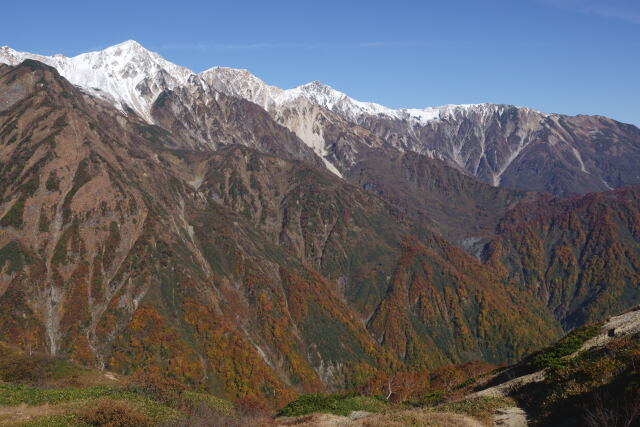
(39, 390)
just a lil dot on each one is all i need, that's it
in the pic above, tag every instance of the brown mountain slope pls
(460, 208)
(580, 256)
(420, 292)
(109, 257)
(200, 117)
(514, 147)
(119, 250)
(441, 297)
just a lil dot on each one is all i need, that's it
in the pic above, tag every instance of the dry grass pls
(417, 418)
(12, 415)
(393, 418)
(482, 408)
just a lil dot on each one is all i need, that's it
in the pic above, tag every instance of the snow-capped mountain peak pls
(316, 92)
(354, 111)
(242, 84)
(132, 77)
(128, 44)
(127, 74)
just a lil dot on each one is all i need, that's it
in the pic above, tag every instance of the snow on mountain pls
(243, 84)
(133, 76)
(347, 107)
(127, 73)
(130, 76)
(304, 109)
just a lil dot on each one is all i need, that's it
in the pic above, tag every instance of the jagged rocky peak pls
(502, 145)
(242, 84)
(357, 111)
(318, 93)
(130, 75)
(126, 74)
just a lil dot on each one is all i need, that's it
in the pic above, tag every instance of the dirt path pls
(510, 417)
(618, 326)
(505, 389)
(390, 419)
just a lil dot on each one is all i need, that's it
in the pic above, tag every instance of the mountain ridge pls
(500, 144)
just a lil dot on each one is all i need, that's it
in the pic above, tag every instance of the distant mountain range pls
(258, 241)
(501, 145)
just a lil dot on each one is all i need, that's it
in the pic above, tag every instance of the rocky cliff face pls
(523, 149)
(199, 117)
(501, 145)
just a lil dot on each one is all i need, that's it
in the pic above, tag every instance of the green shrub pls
(552, 357)
(53, 182)
(14, 257)
(339, 404)
(13, 395)
(29, 188)
(63, 420)
(430, 398)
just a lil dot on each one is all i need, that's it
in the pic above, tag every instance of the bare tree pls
(609, 411)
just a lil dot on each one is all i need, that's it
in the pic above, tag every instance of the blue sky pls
(564, 56)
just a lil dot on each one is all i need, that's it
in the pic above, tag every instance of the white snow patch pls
(126, 74)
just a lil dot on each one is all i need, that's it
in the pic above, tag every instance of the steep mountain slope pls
(580, 256)
(108, 256)
(456, 206)
(461, 209)
(441, 297)
(334, 139)
(360, 242)
(199, 117)
(520, 148)
(237, 271)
